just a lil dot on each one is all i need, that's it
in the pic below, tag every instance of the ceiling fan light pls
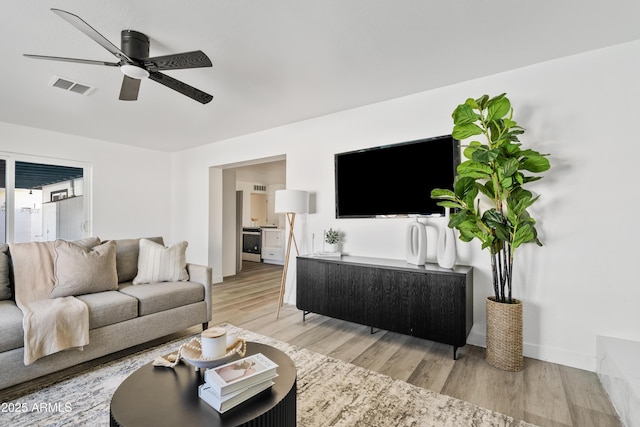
(134, 71)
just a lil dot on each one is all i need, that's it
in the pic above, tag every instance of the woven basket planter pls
(504, 335)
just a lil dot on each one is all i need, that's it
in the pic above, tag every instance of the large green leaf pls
(456, 219)
(534, 162)
(512, 135)
(468, 225)
(482, 102)
(506, 182)
(485, 156)
(472, 147)
(465, 131)
(464, 114)
(502, 233)
(509, 124)
(466, 236)
(450, 204)
(470, 166)
(496, 131)
(464, 185)
(527, 179)
(493, 218)
(439, 193)
(524, 234)
(519, 178)
(498, 107)
(487, 189)
(509, 167)
(510, 149)
(520, 199)
(470, 197)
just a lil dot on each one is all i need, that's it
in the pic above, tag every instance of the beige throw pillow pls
(79, 270)
(157, 263)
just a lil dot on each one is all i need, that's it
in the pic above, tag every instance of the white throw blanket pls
(50, 324)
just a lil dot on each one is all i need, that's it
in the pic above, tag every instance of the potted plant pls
(496, 171)
(332, 238)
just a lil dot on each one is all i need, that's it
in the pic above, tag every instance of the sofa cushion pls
(127, 251)
(5, 283)
(159, 264)
(156, 297)
(11, 332)
(79, 270)
(107, 308)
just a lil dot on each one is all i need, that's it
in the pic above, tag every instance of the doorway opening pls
(241, 198)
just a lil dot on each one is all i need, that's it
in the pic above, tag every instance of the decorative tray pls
(192, 353)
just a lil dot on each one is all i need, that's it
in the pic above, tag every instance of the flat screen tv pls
(395, 180)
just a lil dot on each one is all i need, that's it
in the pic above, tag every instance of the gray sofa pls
(118, 319)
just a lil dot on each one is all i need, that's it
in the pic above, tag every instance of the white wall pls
(131, 186)
(580, 109)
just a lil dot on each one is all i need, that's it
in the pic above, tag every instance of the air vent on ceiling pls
(71, 86)
(259, 188)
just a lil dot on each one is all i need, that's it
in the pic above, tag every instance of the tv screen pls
(395, 180)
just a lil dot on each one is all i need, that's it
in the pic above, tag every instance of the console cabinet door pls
(438, 309)
(389, 300)
(348, 292)
(311, 286)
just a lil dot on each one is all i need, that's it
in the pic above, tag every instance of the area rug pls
(330, 393)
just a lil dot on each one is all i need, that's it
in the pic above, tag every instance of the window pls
(42, 201)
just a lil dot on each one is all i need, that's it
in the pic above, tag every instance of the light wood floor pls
(544, 393)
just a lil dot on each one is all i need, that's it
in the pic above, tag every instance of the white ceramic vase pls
(416, 243)
(446, 248)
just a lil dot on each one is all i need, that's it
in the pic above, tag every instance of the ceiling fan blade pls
(195, 59)
(129, 89)
(181, 87)
(81, 61)
(88, 30)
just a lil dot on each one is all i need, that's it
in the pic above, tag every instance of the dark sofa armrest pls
(202, 274)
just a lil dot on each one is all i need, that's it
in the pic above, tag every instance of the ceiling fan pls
(134, 61)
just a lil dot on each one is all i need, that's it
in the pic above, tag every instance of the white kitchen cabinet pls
(273, 245)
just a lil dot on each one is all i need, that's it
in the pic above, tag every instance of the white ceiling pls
(278, 61)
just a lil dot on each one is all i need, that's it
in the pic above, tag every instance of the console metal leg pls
(455, 349)
(304, 315)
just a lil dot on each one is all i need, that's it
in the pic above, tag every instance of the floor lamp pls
(290, 203)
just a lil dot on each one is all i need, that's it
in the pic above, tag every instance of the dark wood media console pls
(427, 301)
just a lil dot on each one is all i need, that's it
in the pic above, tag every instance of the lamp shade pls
(292, 201)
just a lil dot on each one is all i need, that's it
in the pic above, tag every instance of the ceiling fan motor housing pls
(134, 44)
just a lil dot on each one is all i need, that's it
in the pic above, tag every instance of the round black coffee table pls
(157, 396)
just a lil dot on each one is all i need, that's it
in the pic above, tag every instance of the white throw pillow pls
(157, 263)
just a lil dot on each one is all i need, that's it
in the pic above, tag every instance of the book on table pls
(240, 374)
(230, 400)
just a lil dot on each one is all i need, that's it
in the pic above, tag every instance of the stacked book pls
(230, 384)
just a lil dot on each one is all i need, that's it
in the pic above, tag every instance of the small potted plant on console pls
(332, 239)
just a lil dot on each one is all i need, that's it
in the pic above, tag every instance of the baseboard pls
(547, 354)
